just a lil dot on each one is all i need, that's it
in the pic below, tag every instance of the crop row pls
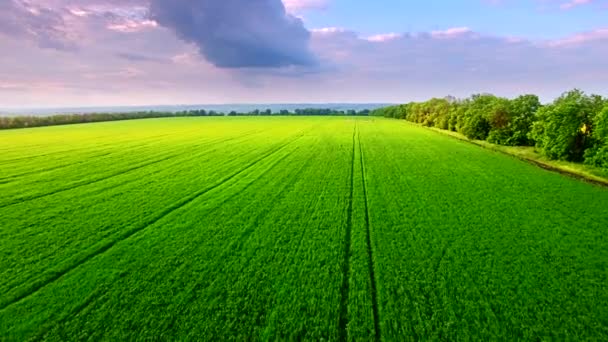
(473, 245)
(296, 229)
(61, 230)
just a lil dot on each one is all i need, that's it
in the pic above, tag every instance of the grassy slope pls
(529, 153)
(233, 228)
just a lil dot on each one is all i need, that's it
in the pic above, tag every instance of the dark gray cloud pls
(238, 33)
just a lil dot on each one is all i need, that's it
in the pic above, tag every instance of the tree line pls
(574, 127)
(66, 119)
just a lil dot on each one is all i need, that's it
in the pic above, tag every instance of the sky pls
(75, 53)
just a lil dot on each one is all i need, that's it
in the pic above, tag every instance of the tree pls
(475, 123)
(563, 129)
(500, 118)
(597, 155)
(438, 111)
(524, 110)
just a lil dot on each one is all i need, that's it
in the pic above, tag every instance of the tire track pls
(343, 325)
(54, 276)
(92, 299)
(78, 185)
(98, 191)
(100, 148)
(13, 177)
(104, 178)
(370, 252)
(193, 293)
(101, 151)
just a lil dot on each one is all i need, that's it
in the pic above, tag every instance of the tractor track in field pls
(87, 303)
(78, 185)
(101, 153)
(345, 288)
(233, 248)
(169, 210)
(101, 148)
(122, 172)
(370, 250)
(106, 188)
(12, 178)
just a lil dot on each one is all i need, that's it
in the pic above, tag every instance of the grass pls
(291, 228)
(531, 154)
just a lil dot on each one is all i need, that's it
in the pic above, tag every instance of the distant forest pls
(574, 127)
(66, 119)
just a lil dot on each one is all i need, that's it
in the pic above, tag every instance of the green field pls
(291, 228)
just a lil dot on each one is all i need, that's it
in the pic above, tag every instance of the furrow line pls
(103, 147)
(89, 301)
(13, 177)
(343, 332)
(81, 184)
(103, 153)
(78, 185)
(370, 251)
(169, 210)
(192, 294)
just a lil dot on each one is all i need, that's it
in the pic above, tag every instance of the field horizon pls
(221, 108)
(291, 228)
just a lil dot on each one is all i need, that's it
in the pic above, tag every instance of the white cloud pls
(299, 5)
(452, 32)
(384, 37)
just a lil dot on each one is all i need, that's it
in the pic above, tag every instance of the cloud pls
(134, 57)
(130, 25)
(126, 56)
(458, 61)
(598, 35)
(70, 24)
(238, 33)
(574, 3)
(299, 5)
(452, 32)
(27, 20)
(384, 37)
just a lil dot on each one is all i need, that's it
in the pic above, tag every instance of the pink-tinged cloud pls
(329, 30)
(574, 3)
(299, 5)
(130, 25)
(34, 22)
(599, 35)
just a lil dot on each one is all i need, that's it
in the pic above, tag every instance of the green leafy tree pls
(524, 110)
(563, 128)
(475, 123)
(598, 154)
(500, 117)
